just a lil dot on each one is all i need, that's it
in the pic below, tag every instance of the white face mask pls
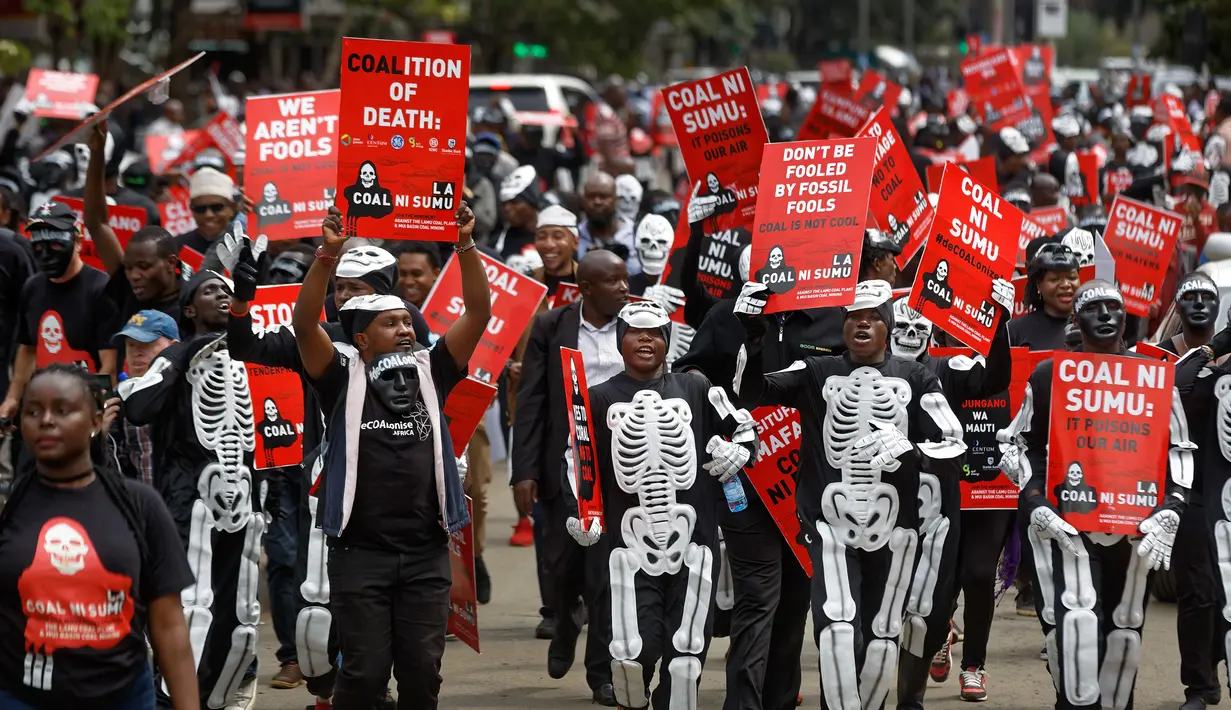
(911, 331)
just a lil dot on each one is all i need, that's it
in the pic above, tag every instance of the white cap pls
(557, 216)
(208, 182)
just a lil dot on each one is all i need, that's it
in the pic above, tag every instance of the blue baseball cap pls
(147, 326)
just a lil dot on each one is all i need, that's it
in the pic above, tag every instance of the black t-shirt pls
(396, 504)
(1038, 331)
(16, 267)
(67, 322)
(70, 570)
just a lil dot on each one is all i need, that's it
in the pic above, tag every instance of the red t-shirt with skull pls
(67, 322)
(73, 591)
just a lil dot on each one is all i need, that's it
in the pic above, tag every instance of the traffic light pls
(521, 50)
(963, 48)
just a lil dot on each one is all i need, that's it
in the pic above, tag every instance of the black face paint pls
(1101, 321)
(395, 379)
(53, 250)
(1198, 309)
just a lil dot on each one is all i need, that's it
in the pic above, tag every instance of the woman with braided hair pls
(89, 563)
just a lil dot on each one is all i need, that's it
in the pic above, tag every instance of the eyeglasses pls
(215, 208)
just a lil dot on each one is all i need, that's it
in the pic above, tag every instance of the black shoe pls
(1194, 703)
(605, 696)
(560, 656)
(1025, 601)
(546, 630)
(482, 581)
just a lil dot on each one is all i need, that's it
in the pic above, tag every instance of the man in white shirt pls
(540, 441)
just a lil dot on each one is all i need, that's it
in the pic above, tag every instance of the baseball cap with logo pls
(53, 215)
(147, 326)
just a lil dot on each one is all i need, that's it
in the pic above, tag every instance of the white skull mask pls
(270, 192)
(1082, 243)
(942, 270)
(367, 176)
(628, 196)
(52, 332)
(745, 263)
(1075, 475)
(775, 257)
(66, 548)
(911, 331)
(654, 238)
(271, 410)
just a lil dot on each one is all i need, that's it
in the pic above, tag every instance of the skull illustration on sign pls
(52, 332)
(66, 547)
(711, 181)
(1075, 475)
(775, 257)
(911, 331)
(654, 238)
(270, 191)
(367, 176)
(942, 270)
(271, 409)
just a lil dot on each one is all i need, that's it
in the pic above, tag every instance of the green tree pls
(1214, 18)
(91, 29)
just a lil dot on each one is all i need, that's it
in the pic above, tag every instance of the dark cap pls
(54, 215)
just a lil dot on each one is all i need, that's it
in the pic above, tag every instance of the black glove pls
(249, 273)
(1221, 342)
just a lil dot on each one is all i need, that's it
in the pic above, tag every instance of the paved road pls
(512, 671)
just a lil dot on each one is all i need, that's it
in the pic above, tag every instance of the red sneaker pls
(324, 704)
(942, 662)
(974, 685)
(523, 533)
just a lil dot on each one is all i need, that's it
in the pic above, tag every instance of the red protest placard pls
(1030, 231)
(223, 133)
(463, 595)
(566, 294)
(124, 220)
(402, 151)
(983, 170)
(980, 419)
(897, 200)
(82, 131)
(836, 75)
(810, 216)
(175, 211)
(581, 429)
(774, 473)
(1153, 351)
(464, 409)
(1088, 164)
(876, 91)
(1107, 449)
(277, 393)
(1139, 91)
(58, 94)
(167, 151)
(1051, 219)
(721, 135)
(292, 160)
(995, 89)
(973, 241)
(1142, 238)
(515, 299)
(833, 115)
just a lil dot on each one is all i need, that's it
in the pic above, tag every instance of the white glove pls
(701, 207)
(883, 447)
(463, 465)
(1004, 294)
(1159, 531)
(1048, 525)
(584, 537)
(669, 297)
(727, 458)
(1011, 463)
(752, 299)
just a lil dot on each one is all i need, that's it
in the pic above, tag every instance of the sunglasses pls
(215, 208)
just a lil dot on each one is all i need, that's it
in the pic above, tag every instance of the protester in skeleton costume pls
(392, 492)
(195, 397)
(654, 430)
(877, 432)
(968, 383)
(361, 271)
(1051, 282)
(1093, 647)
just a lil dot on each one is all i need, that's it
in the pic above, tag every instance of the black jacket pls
(540, 429)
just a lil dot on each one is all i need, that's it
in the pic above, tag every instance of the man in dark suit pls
(540, 442)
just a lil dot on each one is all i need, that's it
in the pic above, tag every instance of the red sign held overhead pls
(773, 474)
(167, 151)
(515, 299)
(833, 115)
(124, 220)
(973, 241)
(402, 151)
(439, 36)
(581, 429)
(983, 170)
(836, 75)
(1107, 450)
(898, 200)
(292, 161)
(1051, 219)
(995, 88)
(1142, 238)
(1139, 91)
(57, 94)
(1153, 351)
(464, 409)
(277, 393)
(876, 91)
(175, 211)
(810, 219)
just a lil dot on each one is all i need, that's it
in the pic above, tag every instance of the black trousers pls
(390, 610)
(984, 533)
(1198, 623)
(577, 573)
(771, 609)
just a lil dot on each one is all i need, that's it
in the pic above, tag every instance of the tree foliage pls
(1212, 23)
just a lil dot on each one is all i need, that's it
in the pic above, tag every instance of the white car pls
(537, 99)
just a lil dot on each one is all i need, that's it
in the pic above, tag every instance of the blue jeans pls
(281, 546)
(139, 695)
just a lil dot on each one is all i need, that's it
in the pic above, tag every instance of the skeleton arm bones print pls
(1093, 654)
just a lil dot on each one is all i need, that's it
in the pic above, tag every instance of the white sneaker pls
(245, 696)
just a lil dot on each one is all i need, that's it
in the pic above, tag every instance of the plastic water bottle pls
(734, 491)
